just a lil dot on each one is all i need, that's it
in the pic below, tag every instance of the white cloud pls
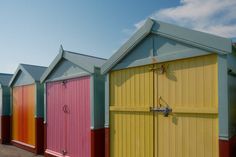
(211, 16)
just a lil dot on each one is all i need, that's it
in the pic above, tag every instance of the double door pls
(23, 114)
(68, 117)
(165, 110)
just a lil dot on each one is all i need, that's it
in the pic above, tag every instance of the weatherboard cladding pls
(157, 42)
(65, 70)
(68, 65)
(154, 48)
(5, 79)
(195, 40)
(30, 75)
(78, 78)
(26, 74)
(27, 106)
(5, 94)
(84, 62)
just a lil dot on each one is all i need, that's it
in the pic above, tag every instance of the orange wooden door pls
(23, 121)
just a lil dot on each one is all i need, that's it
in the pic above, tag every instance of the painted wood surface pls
(188, 86)
(23, 120)
(68, 117)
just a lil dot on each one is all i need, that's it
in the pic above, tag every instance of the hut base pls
(5, 132)
(228, 147)
(24, 146)
(98, 142)
(107, 142)
(39, 136)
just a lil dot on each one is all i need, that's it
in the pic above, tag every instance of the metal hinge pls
(161, 69)
(63, 152)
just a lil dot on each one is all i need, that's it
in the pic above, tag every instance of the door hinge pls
(63, 152)
(161, 69)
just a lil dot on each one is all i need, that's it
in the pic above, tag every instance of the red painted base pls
(97, 142)
(39, 141)
(107, 142)
(24, 146)
(228, 147)
(39, 136)
(45, 136)
(5, 129)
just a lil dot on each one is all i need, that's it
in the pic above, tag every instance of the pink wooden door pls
(68, 118)
(78, 118)
(56, 137)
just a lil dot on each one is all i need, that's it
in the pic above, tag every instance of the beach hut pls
(27, 108)
(170, 92)
(5, 108)
(74, 91)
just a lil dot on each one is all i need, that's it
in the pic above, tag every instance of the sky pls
(31, 31)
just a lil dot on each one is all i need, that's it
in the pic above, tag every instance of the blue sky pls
(31, 31)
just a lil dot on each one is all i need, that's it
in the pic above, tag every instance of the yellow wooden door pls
(131, 122)
(189, 87)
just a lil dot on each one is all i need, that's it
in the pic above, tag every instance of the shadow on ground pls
(12, 151)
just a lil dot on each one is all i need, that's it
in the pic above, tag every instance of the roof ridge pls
(33, 65)
(5, 74)
(85, 55)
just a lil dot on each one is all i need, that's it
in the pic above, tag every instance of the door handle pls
(65, 109)
(165, 110)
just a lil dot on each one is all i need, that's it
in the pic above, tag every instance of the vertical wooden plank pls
(131, 133)
(78, 117)
(194, 81)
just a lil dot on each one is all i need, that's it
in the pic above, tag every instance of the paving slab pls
(12, 151)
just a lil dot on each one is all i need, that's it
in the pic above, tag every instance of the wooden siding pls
(188, 86)
(23, 120)
(69, 131)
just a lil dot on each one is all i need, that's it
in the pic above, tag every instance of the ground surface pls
(12, 151)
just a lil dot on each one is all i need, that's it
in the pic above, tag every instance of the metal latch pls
(165, 110)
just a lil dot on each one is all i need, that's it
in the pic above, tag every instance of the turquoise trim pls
(200, 40)
(39, 109)
(223, 97)
(45, 103)
(92, 101)
(107, 95)
(6, 101)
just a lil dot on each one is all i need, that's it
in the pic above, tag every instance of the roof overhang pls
(64, 55)
(17, 72)
(205, 41)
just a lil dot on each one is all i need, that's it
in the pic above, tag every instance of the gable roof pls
(205, 41)
(85, 62)
(34, 71)
(5, 78)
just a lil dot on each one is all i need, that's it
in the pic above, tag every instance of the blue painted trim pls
(159, 59)
(223, 97)
(197, 39)
(107, 95)
(92, 101)
(45, 103)
(69, 77)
